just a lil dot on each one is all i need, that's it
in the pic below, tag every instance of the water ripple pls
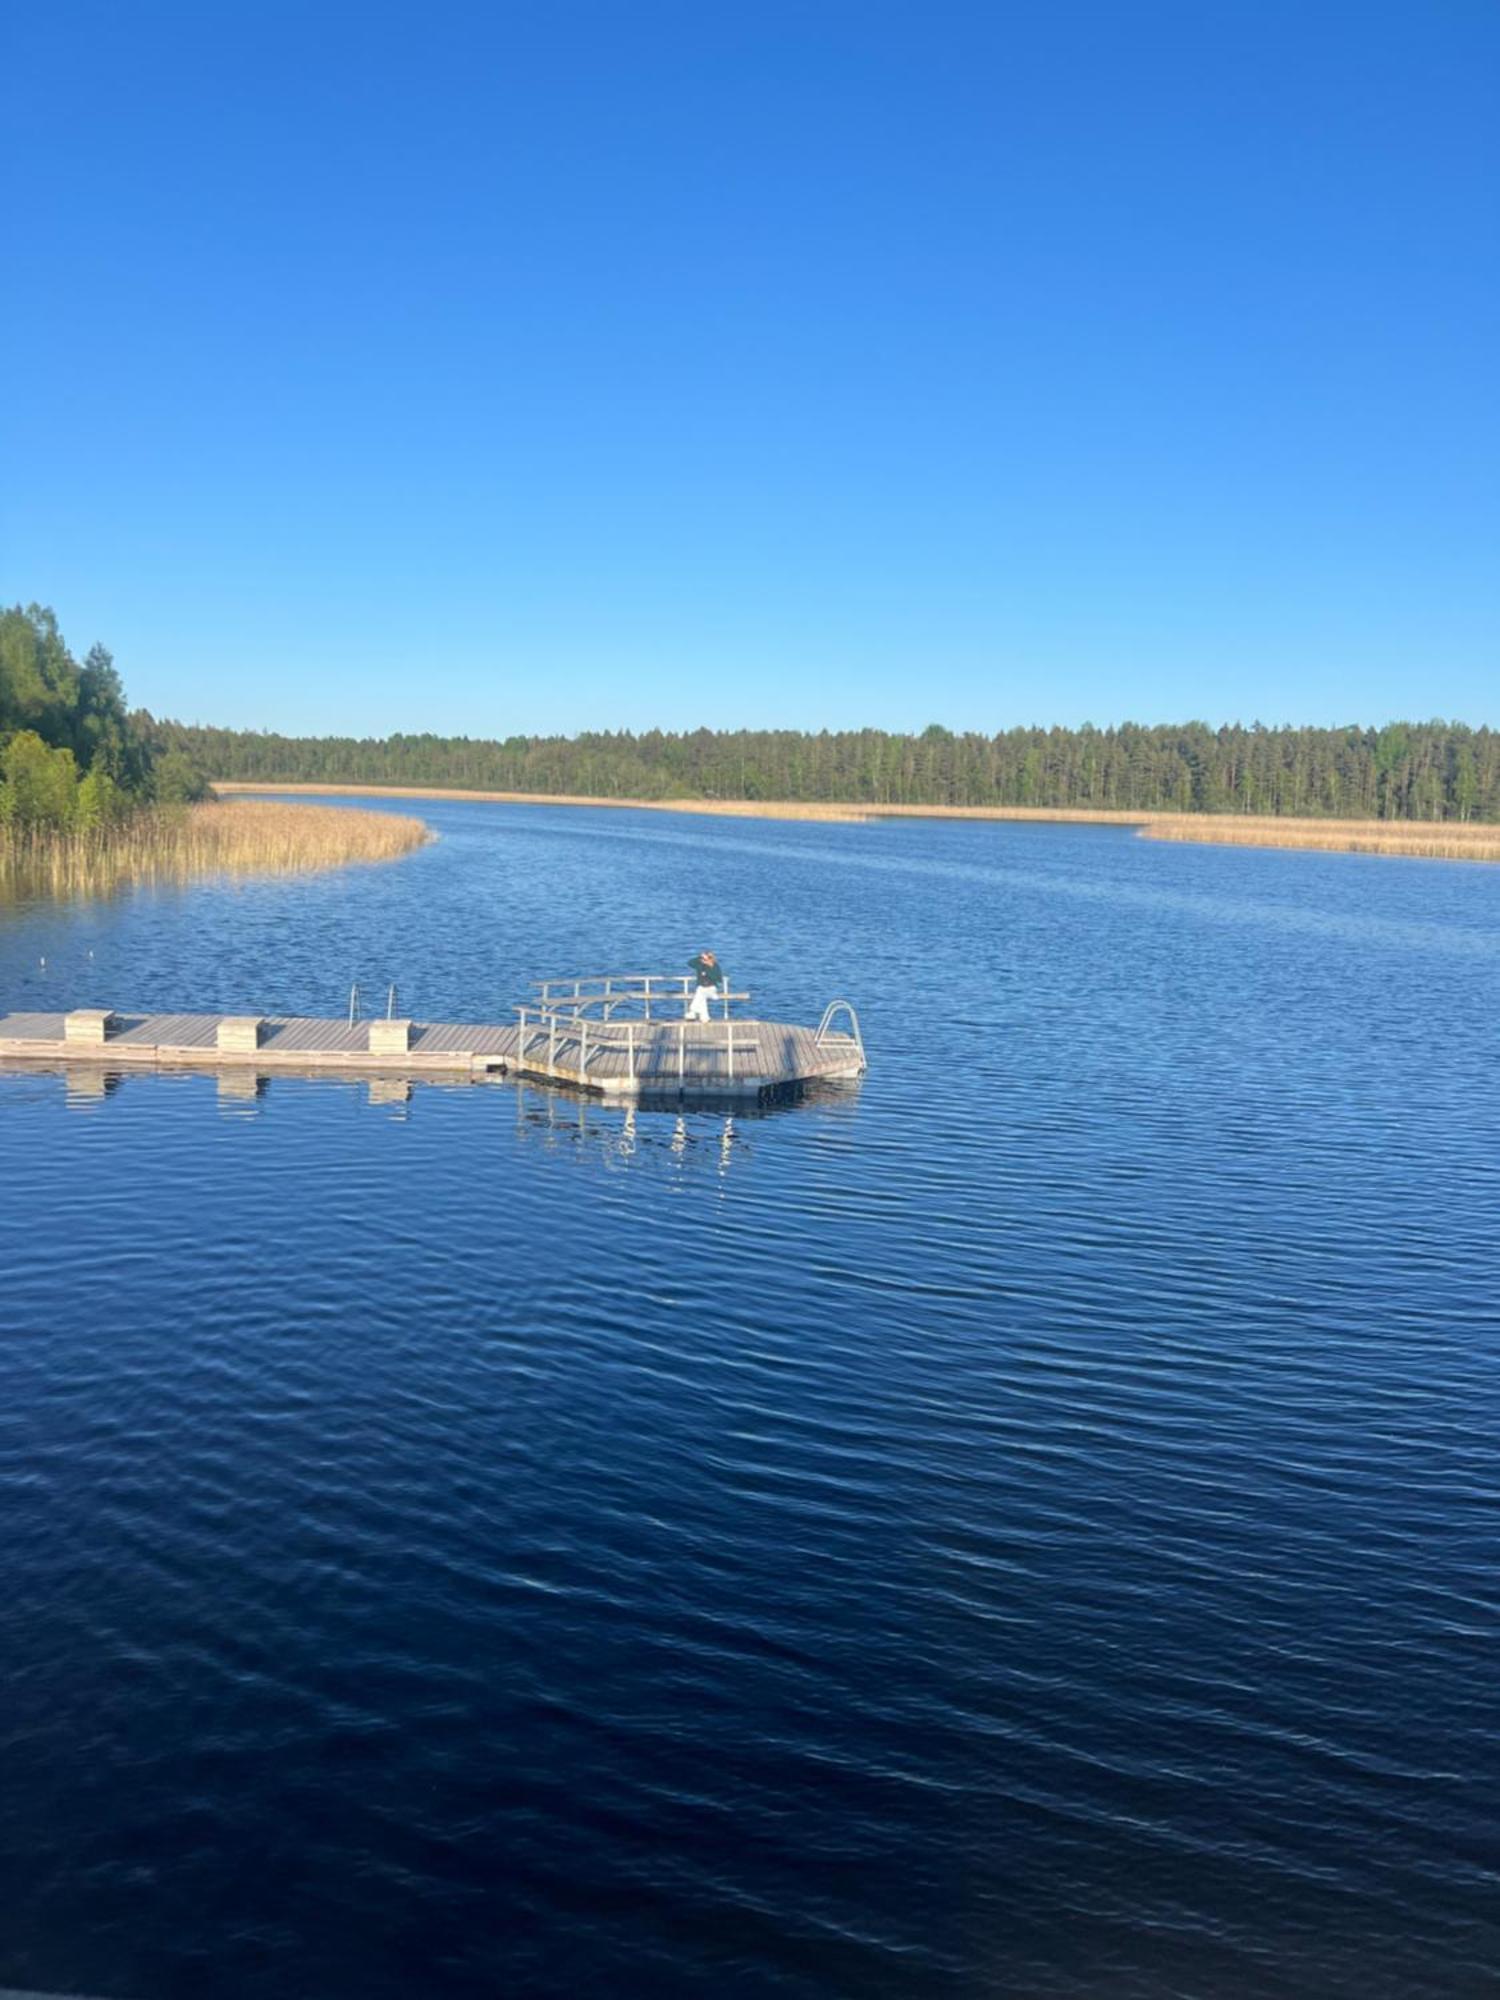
(1028, 1526)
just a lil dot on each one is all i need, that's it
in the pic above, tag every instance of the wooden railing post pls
(630, 1048)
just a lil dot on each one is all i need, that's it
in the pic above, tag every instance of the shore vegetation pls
(176, 843)
(1433, 840)
(73, 759)
(90, 799)
(1402, 771)
(1437, 840)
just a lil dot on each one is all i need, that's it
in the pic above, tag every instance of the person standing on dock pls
(709, 974)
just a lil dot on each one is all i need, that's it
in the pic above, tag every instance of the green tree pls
(40, 785)
(81, 709)
(100, 800)
(178, 780)
(1433, 769)
(38, 677)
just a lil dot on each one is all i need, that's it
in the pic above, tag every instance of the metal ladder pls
(825, 1026)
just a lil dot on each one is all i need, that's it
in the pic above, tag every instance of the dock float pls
(618, 1035)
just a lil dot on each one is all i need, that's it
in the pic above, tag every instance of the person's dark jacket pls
(707, 971)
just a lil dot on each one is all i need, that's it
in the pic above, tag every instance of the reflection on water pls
(240, 1087)
(709, 1131)
(86, 1083)
(392, 1091)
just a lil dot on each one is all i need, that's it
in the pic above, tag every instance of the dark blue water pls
(1027, 1527)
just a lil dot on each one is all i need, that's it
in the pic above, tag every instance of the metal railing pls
(640, 991)
(573, 1024)
(356, 1012)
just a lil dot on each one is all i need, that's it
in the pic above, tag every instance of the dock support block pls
(88, 1025)
(390, 1038)
(239, 1034)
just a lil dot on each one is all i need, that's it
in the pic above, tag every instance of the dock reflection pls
(707, 1134)
(239, 1088)
(87, 1085)
(710, 1134)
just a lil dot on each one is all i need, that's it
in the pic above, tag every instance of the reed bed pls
(848, 811)
(733, 808)
(242, 837)
(1438, 840)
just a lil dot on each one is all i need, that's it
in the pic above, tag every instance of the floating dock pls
(618, 1036)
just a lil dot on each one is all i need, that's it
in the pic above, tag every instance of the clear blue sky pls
(628, 362)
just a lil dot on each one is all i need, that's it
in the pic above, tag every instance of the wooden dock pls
(614, 1042)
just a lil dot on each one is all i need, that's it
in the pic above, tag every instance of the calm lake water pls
(1027, 1526)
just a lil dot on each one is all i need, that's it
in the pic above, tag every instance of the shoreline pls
(249, 838)
(1435, 840)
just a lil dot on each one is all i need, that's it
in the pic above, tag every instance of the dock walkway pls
(605, 1035)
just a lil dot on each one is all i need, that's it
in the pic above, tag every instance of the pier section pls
(620, 1036)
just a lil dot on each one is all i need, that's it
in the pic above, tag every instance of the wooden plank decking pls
(670, 1057)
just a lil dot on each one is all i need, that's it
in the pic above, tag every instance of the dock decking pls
(638, 1057)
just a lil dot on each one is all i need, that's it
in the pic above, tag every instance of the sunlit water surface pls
(1025, 1527)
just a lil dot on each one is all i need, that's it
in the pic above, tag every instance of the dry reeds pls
(813, 809)
(247, 837)
(740, 808)
(1438, 840)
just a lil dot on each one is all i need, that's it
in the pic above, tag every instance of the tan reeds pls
(1439, 840)
(813, 809)
(739, 808)
(246, 837)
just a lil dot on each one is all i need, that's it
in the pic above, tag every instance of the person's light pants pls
(698, 1005)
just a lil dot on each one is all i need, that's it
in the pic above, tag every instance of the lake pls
(1027, 1525)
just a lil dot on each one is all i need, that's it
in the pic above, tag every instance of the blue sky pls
(551, 366)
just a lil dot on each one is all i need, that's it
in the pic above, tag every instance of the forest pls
(1405, 770)
(71, 756)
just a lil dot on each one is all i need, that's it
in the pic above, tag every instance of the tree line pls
(71, 755)
(1406, 770)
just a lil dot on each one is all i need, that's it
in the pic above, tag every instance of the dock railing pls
(576, 1022)
(629, 991)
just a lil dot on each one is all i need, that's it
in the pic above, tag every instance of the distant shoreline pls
(1439, 840)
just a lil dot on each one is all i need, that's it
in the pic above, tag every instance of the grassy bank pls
(241, 837)
(1438, 840)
